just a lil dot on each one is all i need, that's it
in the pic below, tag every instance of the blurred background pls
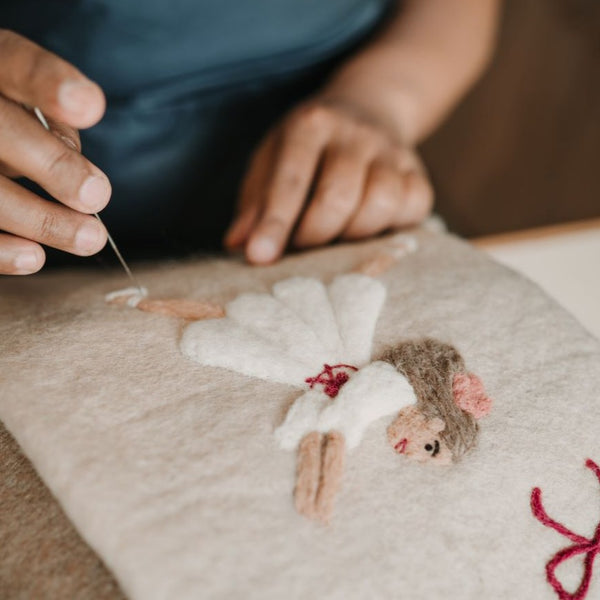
(523, 149)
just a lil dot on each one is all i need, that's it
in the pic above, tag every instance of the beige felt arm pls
(376, 265)
(192, 310)
(385, 258)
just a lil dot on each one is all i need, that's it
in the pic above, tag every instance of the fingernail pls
(231, 237)
(75, 95)
(89, 238)
(95, 193)
(262, 250)
(26, 262)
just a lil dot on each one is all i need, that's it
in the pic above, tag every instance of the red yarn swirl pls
(581, 545)
(331, 381)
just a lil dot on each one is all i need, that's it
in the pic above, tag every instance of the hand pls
(32, 76)
(327, 171)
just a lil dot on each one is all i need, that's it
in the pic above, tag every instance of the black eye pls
(435, 448)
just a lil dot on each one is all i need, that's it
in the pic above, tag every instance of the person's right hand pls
(32, 76)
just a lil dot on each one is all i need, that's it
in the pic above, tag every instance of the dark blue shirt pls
(192, 85)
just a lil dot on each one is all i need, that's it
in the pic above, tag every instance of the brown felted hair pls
(430, 367)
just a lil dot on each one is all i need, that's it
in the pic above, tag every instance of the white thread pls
(134, 295)
(403, 244)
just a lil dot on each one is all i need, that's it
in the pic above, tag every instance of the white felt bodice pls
(376, 391)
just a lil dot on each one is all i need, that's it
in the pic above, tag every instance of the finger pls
(19, 256)
(418, 192)
(418, 200)
(6, 171)
(382, 202)
(27, 148)
(252, 194)
(406, 159)
(336, 198)
(36, 77)
(292, 175)
(64, 133)
(27, 216)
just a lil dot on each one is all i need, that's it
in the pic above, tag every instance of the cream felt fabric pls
(172, 473)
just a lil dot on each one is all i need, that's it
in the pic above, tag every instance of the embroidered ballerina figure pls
(318, 339)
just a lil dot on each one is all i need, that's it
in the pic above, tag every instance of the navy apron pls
(191, 86)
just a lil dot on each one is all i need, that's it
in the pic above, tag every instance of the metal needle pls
(42, 119)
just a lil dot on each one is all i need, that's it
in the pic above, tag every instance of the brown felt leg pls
(307, 475)
(332, 468)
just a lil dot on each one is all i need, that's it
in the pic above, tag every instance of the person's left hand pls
(327, 171)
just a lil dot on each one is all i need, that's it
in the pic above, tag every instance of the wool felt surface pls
(172, 473)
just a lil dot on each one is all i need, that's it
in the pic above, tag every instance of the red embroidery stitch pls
(582, 545)
(331, 382)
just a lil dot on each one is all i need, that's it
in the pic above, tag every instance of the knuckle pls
(275, 221)
(423, 196)
(290, 178)
(406, 159)
(383, 194)
(315, 116)
(60, 159)
(428, 195)
(376, 146)
(48, 227)
(333, 200)
(9, 38)
(384, 202)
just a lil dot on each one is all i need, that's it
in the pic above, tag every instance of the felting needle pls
(42, 119)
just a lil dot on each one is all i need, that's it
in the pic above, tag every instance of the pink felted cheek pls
(469, 395)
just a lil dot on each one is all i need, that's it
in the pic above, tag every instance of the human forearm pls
(420, 65)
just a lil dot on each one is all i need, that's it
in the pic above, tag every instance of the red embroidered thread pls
(581, 545)
(331, 382)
